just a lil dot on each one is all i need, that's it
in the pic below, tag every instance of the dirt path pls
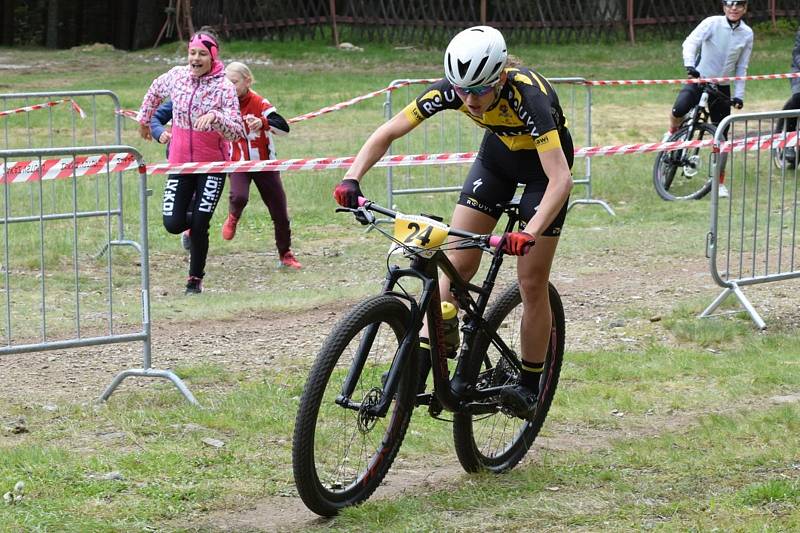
(595, 306)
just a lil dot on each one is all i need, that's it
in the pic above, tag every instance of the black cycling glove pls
(737, 103)
(347, 193)
(692, 72)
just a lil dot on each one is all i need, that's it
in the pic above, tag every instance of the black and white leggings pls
(189, 203)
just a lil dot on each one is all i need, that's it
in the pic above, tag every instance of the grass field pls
(691, 427)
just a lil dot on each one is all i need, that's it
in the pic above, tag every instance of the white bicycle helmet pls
(475, 57)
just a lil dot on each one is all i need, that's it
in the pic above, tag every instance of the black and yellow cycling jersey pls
(526, 115)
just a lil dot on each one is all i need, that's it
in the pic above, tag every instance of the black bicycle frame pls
(453, 394)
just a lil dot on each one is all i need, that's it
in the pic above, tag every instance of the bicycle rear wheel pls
(683, 174)
(498, 441)
(340, 455)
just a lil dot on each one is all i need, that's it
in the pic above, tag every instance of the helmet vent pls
(481, 65)
(463, 67)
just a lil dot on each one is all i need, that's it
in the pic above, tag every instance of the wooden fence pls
(434, 21)
(138, 23)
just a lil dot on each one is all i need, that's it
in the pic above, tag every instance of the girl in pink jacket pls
(205, 120)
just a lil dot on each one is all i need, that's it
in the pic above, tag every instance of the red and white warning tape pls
(327, 109)
(26, 109)
(22, 171)
(720, 79)
(128, 114)
(342, 105)
(352, 101)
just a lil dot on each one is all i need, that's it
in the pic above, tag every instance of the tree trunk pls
(150, 17)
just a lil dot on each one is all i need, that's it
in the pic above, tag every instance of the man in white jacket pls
(720, 46)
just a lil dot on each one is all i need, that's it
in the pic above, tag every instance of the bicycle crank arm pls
(480, 408)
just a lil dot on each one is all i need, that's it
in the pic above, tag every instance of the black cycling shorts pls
(690, 97)
(492, 180)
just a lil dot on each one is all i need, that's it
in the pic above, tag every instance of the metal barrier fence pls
(52, 232)
(453, 132)
(61, 125)
(753, 234)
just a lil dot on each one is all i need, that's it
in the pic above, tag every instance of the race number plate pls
(419, 232)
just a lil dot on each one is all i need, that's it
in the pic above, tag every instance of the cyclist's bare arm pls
(378, 144)
(557, 170)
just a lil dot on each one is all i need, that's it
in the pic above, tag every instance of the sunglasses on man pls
(736, 3)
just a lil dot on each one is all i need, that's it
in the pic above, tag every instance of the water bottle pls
(451, 334)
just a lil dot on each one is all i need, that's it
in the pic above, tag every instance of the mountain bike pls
(365, 382)
(685, 174)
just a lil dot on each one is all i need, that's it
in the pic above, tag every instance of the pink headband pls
(205, 41)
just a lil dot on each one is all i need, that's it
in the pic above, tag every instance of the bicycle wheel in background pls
(784, 158)
(340, 455)
(497, 441)
(683, 174)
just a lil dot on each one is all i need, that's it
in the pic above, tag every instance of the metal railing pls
(452, 132)
(753, 232)
(49, 260)
(61, 125)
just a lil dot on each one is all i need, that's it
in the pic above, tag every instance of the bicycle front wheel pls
(499, 440)
(683, 174)
(341, 453)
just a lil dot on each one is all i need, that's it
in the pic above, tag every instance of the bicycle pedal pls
(424, 398)
(435, 408)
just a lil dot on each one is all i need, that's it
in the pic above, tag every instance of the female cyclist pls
(526, 142)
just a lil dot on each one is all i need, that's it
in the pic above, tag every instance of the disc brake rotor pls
(366, 420)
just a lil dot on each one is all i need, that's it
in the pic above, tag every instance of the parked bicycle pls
(361, 391)
(685, 174)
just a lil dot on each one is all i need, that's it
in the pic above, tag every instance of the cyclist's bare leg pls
(674, 122)
(466, 262)
(533, 271)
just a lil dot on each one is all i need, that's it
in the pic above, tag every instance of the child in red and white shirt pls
(261, 121)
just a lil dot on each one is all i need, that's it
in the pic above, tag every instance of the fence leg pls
(736, 291)
(149, 373)
(588, 199)
(601, 203)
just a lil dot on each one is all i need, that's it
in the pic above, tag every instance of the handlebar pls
(713, 88)
(364, 205)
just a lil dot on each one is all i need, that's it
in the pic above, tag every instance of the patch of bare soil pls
(597, 307)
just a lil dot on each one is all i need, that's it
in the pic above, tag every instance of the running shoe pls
(194, 285)
(288, 260)
(229, 227)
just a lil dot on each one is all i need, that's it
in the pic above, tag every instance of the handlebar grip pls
(494, 241)
(527, 247)
(362, 201)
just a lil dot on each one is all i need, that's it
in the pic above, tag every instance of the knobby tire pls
(339, 455)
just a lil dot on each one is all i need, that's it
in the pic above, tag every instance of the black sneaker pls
(194, 285)
(520, 400)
